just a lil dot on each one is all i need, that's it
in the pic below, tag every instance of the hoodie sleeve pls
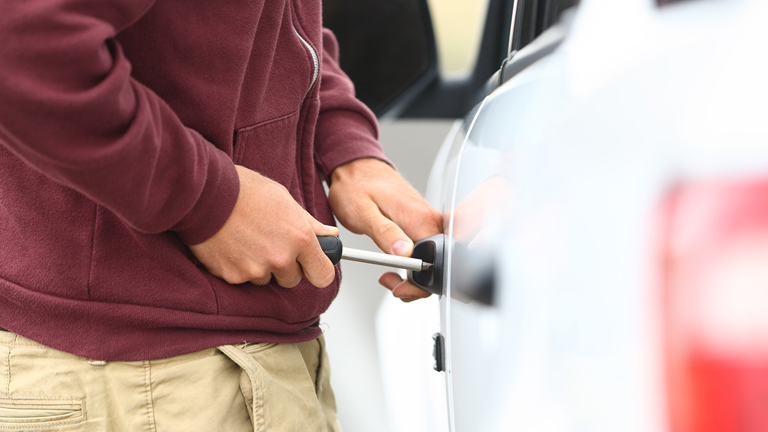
(72, 111)
(346, 128)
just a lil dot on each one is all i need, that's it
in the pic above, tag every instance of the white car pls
(606, 254)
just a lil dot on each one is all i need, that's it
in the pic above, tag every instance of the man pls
(162, 166)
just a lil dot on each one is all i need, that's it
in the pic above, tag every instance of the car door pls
(561, 185)
(477, 197)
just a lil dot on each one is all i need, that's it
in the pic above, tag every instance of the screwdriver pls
(335, 251)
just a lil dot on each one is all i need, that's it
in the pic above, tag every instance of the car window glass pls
(385, 47)
(458, 26)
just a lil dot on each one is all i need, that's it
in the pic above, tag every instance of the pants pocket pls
(277, 388)
(26, 414)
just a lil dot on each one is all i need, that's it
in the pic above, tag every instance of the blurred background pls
(350, 323)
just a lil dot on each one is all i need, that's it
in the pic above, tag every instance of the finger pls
(261, 282)
(384, 232)
(260, 278)
(414, 217)
(321, 229)
(402, 289)
(239, 272)
(288, 275)
(417, 219)
(418, 222)
(316, 266)
(409, 292)
(390, 280)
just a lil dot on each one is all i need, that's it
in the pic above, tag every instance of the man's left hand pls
(369, 197)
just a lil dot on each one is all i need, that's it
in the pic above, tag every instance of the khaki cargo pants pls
(249, 387)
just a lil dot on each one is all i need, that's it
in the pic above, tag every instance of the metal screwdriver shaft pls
(382, 259)
(335, 251)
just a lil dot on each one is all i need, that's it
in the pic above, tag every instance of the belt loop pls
(249, 366)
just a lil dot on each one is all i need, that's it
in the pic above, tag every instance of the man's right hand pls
(268, 233)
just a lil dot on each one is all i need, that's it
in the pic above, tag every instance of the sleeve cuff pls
(344, 138)
(215, 203)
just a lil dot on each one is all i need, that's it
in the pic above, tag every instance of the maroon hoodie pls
(121, 122)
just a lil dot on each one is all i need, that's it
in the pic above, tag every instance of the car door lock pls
(429, 250)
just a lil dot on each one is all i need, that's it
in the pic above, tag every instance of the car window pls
(458, 26)
(532, 17)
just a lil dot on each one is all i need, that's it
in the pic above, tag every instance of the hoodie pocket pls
(271, 149)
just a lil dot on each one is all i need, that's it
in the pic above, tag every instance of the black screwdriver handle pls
(332, 247)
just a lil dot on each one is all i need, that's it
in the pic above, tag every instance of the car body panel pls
(580, 149)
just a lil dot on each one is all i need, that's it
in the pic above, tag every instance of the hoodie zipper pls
(315, 60)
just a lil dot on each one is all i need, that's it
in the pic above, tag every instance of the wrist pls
(359, 167)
